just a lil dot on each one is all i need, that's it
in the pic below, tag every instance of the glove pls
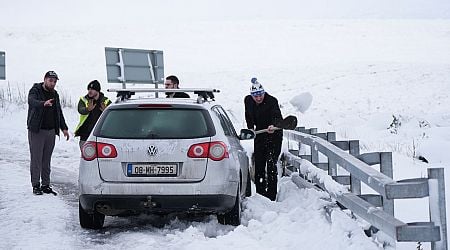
(91, 105)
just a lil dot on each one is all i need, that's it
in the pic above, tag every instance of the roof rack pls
(202, 94)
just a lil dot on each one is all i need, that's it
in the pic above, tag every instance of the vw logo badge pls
(152, 150)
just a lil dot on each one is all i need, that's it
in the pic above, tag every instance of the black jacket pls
(36, 101)
(260, 116)
(84, 130)
(177, 95)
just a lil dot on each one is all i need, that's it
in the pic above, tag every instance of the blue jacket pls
(36, 101)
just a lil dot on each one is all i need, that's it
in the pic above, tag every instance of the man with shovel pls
(262, 112)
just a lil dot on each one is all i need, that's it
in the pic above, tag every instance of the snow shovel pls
(289, 123)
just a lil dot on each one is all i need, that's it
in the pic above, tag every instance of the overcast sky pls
(82, 12)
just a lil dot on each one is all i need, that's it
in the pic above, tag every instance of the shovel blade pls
(289, 123)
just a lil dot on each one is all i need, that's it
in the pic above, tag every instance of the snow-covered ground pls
(49, 222)
(362, 64)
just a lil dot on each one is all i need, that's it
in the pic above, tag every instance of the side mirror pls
(247, 134)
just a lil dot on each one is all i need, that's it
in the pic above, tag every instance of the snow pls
(302, 101)
(47, 221)
(312, 172)
(361, 63)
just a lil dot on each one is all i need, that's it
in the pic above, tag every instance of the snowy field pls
(362, 64)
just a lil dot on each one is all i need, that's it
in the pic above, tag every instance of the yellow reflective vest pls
(83, 117)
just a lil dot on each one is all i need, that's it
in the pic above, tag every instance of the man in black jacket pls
(45, 119)
(172, 82)
(90, 107)
(262, 112)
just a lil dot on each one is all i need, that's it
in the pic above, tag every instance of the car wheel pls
(248, 189)
(232, 217)
(91, 221)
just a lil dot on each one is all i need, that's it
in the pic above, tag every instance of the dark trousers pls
(266, 152)
(41, 149)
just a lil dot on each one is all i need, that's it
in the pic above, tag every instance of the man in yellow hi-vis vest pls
(90, 108)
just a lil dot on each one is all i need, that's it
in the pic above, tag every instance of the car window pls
(155, 124)
(225, 121)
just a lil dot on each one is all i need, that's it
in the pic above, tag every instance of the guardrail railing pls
(343, 163)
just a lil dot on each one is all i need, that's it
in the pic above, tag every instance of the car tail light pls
(92, 150)
(88, 151)
(215, 151)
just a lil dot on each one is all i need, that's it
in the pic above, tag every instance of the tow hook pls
(194, 208)
(149, 203)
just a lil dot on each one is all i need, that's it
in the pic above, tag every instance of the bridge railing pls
(343, 163)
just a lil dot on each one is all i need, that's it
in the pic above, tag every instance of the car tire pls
(232, 217)
(248, 189)
(90, 221)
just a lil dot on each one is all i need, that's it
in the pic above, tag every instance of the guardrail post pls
(332, 166)
(293, 151)
(386, 169)
(355, 184)
(331, 136)
(437, 205)
(300, 129)
(314, 149)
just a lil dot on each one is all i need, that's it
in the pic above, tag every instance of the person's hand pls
(91, 105)
(48, 103)
(66, 134)
(270, 129)
(102, 106)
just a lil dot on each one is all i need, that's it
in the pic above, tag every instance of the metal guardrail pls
(2, 65)
(377, 209)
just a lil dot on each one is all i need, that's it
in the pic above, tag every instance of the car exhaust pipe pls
(103, 207)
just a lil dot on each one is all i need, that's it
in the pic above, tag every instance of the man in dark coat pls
(45, 119)
(90, 107)
(172, 82)
(262, 112)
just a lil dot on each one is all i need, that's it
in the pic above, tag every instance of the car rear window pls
(155, 124)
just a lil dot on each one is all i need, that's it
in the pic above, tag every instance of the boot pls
(47, 190)
(37, 190)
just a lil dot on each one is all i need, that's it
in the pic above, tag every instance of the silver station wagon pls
(161, 156)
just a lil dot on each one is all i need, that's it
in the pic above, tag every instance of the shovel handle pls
(265, 130)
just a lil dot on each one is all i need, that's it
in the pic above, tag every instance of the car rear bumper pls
(136, 204)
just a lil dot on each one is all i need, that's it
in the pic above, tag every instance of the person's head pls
(93, 88)
(257, 91)
(50, 79)
(171, 82)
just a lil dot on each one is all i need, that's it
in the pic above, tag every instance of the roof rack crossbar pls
(142, 90)
(203, 94)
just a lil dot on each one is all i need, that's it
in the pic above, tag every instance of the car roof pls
(178, 102)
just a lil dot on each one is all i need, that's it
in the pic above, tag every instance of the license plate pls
(160, 170)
